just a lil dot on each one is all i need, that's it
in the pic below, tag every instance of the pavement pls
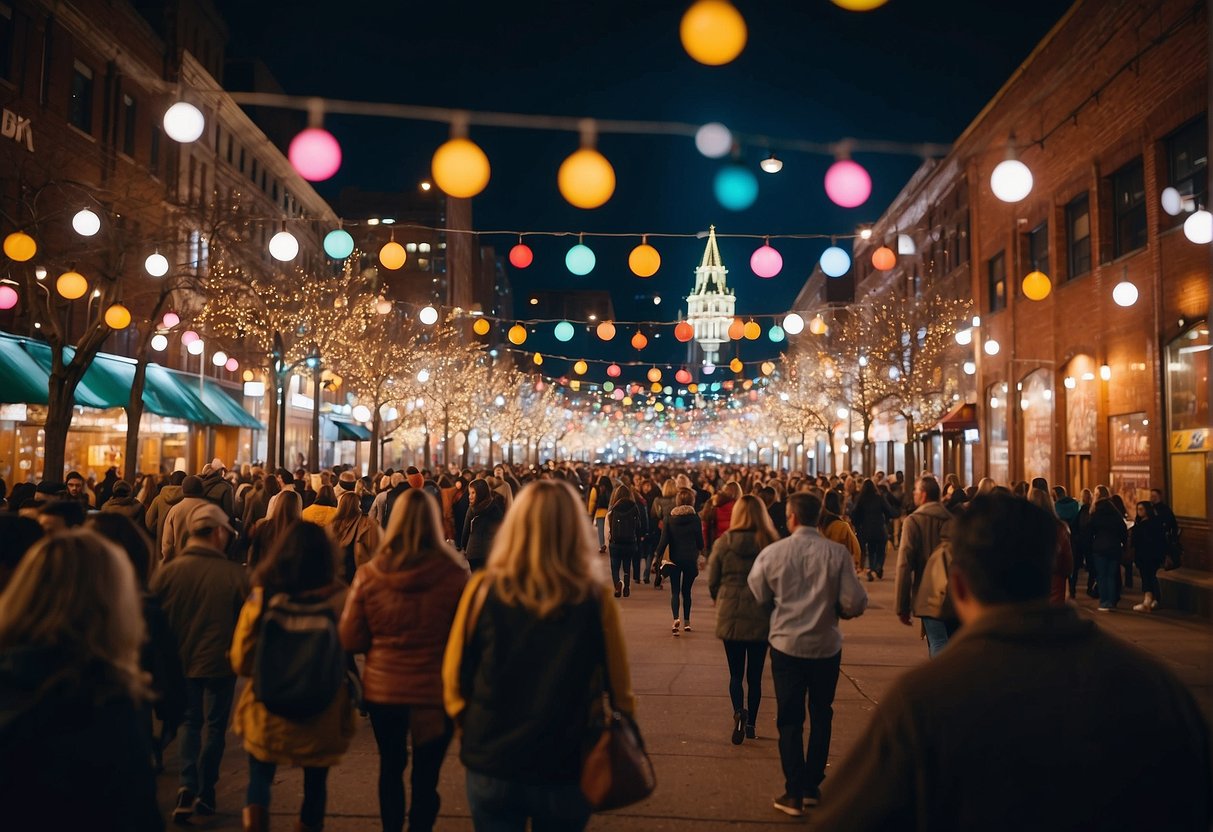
(704, 783)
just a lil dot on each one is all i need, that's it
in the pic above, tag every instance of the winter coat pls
(168, 497)
(717, 517)
(739, 616)
(160, 660)
(364, 535)
(660, 510)
(72, 756)
(128, 506)
(840, 531)
(921, 532)
(1106, 533)
(682, 534)
(778, 512)
(318, 741)
(870, 516)
(320, 515)
(1149, 543)
(624, 527)
(175, 535)
(201, 593)
(401, 621)
(480, 527)
(597, 507)
(220, 492)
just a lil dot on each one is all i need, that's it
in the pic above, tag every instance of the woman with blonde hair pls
(265, 532)
(741, 622)
(535, 638)
(355, 536)
(74, 753)
(399, 613)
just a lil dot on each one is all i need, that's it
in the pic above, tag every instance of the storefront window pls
(1188, 441)
(998, 465)
(1036, 402)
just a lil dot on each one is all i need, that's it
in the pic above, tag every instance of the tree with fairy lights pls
(859, 346)
(803, 401)
(452, 374)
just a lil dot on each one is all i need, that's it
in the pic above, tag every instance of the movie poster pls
(1130, 474)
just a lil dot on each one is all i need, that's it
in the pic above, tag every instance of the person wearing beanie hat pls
(123, 502)
(217, 489)
(175, 532)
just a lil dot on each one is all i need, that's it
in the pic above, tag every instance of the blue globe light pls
(580, 260)
(835, 262)
(564, 331)
(680, 403)
(338, 244)
(736, 187)
(715, 387)
(776, 333)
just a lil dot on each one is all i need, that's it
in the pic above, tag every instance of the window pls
(253, 174)
(1038, 249)
(6, 41)
(153, 156)
(128, 125)
(1187, 160)
(998, 282)
(1078, 227)
(998, 464)
(241, 166)
(1188, 420)
(1128, 209)
(230, 144)
(80, 110)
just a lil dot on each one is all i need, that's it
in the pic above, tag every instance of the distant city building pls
(711, 304)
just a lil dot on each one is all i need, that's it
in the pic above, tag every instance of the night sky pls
(914, 70)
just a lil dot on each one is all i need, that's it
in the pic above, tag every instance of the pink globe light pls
(8, 297)
(848, 184)
(232, 365)
(766, 261)
(315, 154)
(188, 337)
(171, 319)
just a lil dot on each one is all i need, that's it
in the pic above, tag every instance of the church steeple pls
(710, 305)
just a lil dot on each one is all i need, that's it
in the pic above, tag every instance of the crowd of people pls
(487, 604)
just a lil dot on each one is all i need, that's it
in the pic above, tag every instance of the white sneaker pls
(1153, 603)
(1142, 607)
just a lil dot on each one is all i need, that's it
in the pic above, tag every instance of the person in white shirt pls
(812, 582)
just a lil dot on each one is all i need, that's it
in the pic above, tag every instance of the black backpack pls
(624, 525)
(298, 665)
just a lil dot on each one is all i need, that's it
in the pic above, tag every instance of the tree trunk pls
(831, 457)
(376, 429)
(911, 468)
(313, 448)
(429, 454)
(446, 438)
(467, 447)
(61, 401)
(272, 463)
(134, 415)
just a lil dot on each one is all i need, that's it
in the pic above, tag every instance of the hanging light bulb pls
(392, 255)
(847, 183)
(580, 367)
(1011, 181)
(20, 247)
(86, 223)
(460, 168)
(752, 331)
(517, 335)
(183, 122)
(714, 140)
(683, 331)
(586, 179)
(219, 358)
(775, 333)
(713, 32)
(1172, 201)
(156, 264)
(1124, 293)
(771, 164)
(605, 330)
(284, 246)
(835, 262)
(644, 261)
(481, 327)
(735, 186)
(614, 371)
(639, 341)
(793, 324)
(521, 255)
(195, 347)
(818, 325)
(428, 316)
(159, 343)
(580, 259)
(964, 337)
(1036, 285)
(991, 347)
(564, 331)
(8, 297)
(315, 154)
(383, 306)
(117, 317)
(338, 244)
(1198, 227)
(766, 262)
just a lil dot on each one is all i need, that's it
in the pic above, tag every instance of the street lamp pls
(281, 372)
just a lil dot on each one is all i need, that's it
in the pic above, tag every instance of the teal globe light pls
(338, 244)
(580, 260)
(776, 333)
(835, 262)
(564, 331)
(736, 187)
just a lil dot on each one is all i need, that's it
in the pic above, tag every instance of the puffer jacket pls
(682, 534)
(401, 620)
(317, 742)
(739, 616)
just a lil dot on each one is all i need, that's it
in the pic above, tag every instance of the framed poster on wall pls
(1129, 434)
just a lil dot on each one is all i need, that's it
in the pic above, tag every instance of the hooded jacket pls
(173, 538)
(739, 616)
(480, 527)
(1106, 532)
(154, 519)
(401, 620)
(682, 534)
(220, 492)
(128, 506)
(921, 532)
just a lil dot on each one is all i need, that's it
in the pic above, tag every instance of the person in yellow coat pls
(300, 565)
(833, 527)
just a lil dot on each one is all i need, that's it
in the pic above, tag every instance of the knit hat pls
(415, 480)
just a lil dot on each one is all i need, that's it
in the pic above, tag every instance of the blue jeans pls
(875, 547)
(207, 701)
(499, 805)
(1107, 576)
(315, 790)
(938, 632)
(600, 524)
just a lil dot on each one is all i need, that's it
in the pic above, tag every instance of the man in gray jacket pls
(921, 532)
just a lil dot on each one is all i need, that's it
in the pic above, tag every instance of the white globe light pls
(362, 413)
(428, 316)
(964, 337)
(713, 140)
(709, 368)
(219, 358)
(843, 413)
(184, 123)
(1172, 202)
(156, 265)
(391, 414)
(793, 324)
(423, 376)
(991, 347)
(284, 246)
(159, 343)
(383, 306)
(86, 223)
(195, 347)
(1011, 180)
(1199, 227)
(835, 262)
(499, 401)
(970, 368)
(1124, 293)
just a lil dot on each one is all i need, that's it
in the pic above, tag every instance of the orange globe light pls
(537, 358)
(655, 387)
(117, 317)
(644, 261)
(768, 367)
(639, 341)
(460, 168)
(684, 332)
(20, 246)
(580, 367)
(859, 5)
(606, 330)
(481, 327)
(713, 32)
(1036, 286)
(517, 334)
(818, 325)
(392, 255)
(654, 374)
(737, 329)
(586, 179)
(752, 331)
(683, 376)
(71, 285)
(735, 365)
(692, 388)
(884, 259)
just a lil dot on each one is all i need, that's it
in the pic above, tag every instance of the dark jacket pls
(739, 616)
(75, 756)
(219, 491)
(870, 517)
(401, 620)
(128, 506)
(1106, 533)
(926, 759)
(480, 527)
(201, 593)
(162, 662)
(154, 519)
(1149, 542)
(778, 512)
(625, 526)
(921, 532)
(659, 511)
(683, 535)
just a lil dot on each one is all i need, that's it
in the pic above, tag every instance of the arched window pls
(1188, 423)
(1036, 402)
(1081, 410)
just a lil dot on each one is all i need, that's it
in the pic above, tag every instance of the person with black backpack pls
(298, 708)
(624, 528)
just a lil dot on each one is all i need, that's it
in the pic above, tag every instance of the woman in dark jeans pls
(870, 516)
(1149, 548)
(682, 535)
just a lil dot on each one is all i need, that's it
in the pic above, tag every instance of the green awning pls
(225, 408)
(85, 395)
(174, 398)
(352, 432)
(22, 380)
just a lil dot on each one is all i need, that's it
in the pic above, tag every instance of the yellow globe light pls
(580, 367)
(859, 5)
(752, 331)
(768, 367)
(392, 255)
(460, 168)
(644, 261)
(1036, 286)
(692, 388)
(586, 179)
(481, 327)
(737, 329)
(537, 358)
(20, 246)
(575, 385)
(606, 330)
(249, 375)
(654, 374)
(655, 387)
(627, 401)
(818, 326)
(735, 365)
(71, 285)
(117, 317)
(517, 334)
(713, 32)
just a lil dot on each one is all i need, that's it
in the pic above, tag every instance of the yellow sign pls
(1190, 441)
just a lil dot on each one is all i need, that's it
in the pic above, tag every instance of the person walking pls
(1063, 561)
(201, 593)
(624, 529)
(354, 535)
(287, 512)
(1107, 537)
(485, 514)
(921, 534)
(870, 516)
(812, 584)
(323, 509)
(299, 569)
(682, 538)
(535, 640)
(1149, 538)
(123, 502)
(660, 510)
(717, 512)
(834, 528)
(399, 613)
(175, 522)
(597, 504)
(741, 622)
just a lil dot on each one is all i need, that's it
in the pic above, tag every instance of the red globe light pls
(614, 371)
(521, 256)
(684, 331)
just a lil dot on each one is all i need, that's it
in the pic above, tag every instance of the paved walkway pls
(704, 782)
